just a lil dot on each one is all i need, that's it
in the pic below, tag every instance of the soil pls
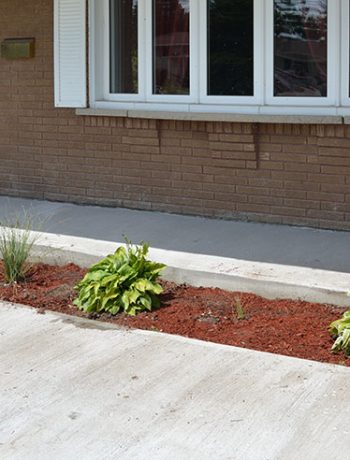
(287, 327)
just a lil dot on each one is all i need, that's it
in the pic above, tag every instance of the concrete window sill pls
(219, 117)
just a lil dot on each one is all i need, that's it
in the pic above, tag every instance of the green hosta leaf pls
(125, 270)
(340, 330)
(108, 299)
(125, 300)
(108, 279)
(115, 308)
(97, 275)
(146, 301)
(133, 310)
(156, 290)
(337, 344)
(144, 285)
(134, 296)
(340, 325)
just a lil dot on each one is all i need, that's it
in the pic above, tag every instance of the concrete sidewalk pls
(275, 244)
(75, 389)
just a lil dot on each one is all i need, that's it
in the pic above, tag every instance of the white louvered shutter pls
(70, 53)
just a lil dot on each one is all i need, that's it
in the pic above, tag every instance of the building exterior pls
(236, 109)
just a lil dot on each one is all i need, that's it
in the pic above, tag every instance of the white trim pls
(106, 49)
(56, 52)
(148, 39)
(92, 50)
(345, 53)
(142, 58)
(97, 51)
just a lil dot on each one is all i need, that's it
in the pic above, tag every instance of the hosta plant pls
(340, 330)
(123, 281)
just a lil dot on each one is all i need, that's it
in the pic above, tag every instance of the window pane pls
(124, 49)
(230, 47)
(300, 52)
(171, 46)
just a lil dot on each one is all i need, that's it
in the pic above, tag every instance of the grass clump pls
(239, 309)
(16, 243)
(122, 282)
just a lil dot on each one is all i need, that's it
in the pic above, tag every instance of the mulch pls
(286, 327)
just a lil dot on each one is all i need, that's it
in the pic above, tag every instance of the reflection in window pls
(171, 47)
(300, 48)
(124, 49)
(230, 47)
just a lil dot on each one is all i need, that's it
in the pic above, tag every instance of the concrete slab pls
(71, 389)
(275, 244)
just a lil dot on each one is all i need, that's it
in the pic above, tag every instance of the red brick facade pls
(290, 174)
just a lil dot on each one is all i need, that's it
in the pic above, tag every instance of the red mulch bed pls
(287, 327)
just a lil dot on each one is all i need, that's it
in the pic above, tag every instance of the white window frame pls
(332, 62)
(132, 97)
(192, 97)
(345, 55)
(263, 101)
(258, 52)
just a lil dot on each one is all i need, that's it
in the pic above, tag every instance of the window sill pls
(219, 117)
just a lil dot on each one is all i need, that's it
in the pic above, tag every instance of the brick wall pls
(288, 174)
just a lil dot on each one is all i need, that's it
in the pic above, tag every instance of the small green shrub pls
(16, 243)
(123, 281)
(340, 330)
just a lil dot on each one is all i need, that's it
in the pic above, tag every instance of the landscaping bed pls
(287, 327)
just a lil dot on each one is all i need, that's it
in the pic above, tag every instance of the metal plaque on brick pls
(18, 48)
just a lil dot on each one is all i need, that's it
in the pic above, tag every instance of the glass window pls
(171, 47)
(300, 48)
(123, 46)
(230, 31)
(224, 54)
